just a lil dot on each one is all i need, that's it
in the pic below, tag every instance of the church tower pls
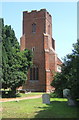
(37, 36)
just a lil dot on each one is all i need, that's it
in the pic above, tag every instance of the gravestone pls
(46, 98)
(66, 94)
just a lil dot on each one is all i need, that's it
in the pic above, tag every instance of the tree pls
(68, 78)
(1, 26)
(15, 63)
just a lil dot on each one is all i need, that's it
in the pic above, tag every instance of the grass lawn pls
(33, 108)
(30, 94)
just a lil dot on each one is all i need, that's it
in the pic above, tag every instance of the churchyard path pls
(17, 99)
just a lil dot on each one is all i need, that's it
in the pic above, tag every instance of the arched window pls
(34, 73)
(33, 28)
(33, 49)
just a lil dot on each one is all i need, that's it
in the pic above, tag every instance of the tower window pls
(48, 29)
(34, 73)
(33, 49)
(33, 28)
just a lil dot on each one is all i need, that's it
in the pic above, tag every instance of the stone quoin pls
(37, 36)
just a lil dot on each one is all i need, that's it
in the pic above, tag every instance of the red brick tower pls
(37, 35)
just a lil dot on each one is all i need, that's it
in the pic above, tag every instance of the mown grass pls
(29, 94)
(33, 108)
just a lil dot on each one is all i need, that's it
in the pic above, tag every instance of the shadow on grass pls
(58, 110)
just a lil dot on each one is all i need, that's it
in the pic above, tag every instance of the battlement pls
(35, 11)
(44, 10)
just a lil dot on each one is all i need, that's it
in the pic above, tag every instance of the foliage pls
(1, 21)
(15, 63)
(69, 78)
(55, 94)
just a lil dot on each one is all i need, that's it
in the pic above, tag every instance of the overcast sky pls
(64, 21)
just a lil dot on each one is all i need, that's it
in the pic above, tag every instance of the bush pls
(9, 94)
(56, 94)
(69, 76)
